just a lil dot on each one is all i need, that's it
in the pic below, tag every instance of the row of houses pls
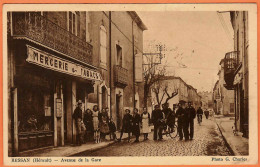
(58, 58)
(185, 92)
(234, 74)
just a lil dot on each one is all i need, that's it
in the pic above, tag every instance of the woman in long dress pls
(103, 124)
(95, 124)
(88, 121)
(145, 123)
(127, 125)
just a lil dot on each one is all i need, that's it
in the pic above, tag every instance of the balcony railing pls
(230, 65)
(121, 76)
(33, 26)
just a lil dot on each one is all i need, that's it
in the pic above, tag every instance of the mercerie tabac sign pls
(49, 61)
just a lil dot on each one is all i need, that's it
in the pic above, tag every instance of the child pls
(112, 129)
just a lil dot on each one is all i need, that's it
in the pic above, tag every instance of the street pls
(207, 142)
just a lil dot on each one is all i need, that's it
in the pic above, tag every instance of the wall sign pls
(52, 62)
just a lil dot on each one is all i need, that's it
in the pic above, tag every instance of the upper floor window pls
(103, 45)
(119, 55)
(73, 23)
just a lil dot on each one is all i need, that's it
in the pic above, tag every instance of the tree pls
(162, 91)
(155, 69)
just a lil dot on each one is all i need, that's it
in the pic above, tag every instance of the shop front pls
(45, 93)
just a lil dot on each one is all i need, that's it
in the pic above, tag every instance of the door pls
(118, 119)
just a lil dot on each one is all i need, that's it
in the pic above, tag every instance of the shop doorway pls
(118, 117)
(104, 97)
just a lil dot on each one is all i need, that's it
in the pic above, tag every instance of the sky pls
(195, 43)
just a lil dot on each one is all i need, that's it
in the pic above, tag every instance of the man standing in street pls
(157, 116)
(77, 116)
(166, 109)
(180, 115)
(191, 115)
(186, 119)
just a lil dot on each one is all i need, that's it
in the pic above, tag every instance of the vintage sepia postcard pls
(130, 84)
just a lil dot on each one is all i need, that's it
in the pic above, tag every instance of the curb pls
(97, 148)
(92, 149)
(225, 140)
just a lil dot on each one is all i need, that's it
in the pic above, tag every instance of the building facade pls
(117, 39)
(185, 92)
(58, 58)
(226, 96)
(216, 98)
(206, 99)
(236, 69)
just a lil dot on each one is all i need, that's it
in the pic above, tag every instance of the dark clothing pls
(112, 129)
(170, 119)
(77, 113)
(127, 126)
(157, 116)
(206, 114)
(166, 111)
(112, 126)
(77, 116)
(88, 121)
(199, 111)
(127, 123)
(191, 115)
(136, 125)
(199, 114)
(180, 115)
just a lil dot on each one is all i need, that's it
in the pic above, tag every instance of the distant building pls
(216, 98)
(206, 99)
(226, 96)
(185, 92)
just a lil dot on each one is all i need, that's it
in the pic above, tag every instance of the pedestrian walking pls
(199, 114)
(145, 116)
(127, 125)
(157, 117)
(88, 121)
(180, 115)
(103, 123)
(112, 129)
(77, 116)
(191, 116)
(206, 113)
(136, 124)
(95, 124)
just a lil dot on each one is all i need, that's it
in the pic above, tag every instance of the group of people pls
(93, 124)
(98, 123)
(185, 115)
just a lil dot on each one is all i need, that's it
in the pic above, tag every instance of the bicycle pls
(171, 131)
(199, 118)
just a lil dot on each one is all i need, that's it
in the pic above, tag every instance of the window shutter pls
(138, 67)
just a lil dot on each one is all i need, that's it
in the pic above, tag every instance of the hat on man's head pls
(182, 102)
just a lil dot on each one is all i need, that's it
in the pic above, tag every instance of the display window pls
(35, 113)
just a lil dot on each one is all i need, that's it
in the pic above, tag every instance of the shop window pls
(35, 110)
(103, 46)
